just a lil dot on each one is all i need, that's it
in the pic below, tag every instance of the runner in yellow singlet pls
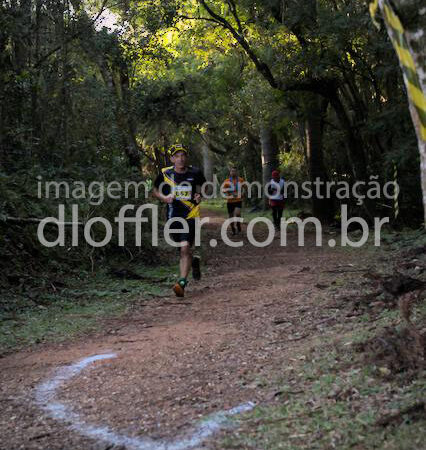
(179, 186)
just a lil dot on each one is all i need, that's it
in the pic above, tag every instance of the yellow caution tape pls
(399, 42)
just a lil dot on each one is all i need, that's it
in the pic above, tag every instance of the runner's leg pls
(185, 263)
(279, 216)
(185, 260)
(275, 216)
(196, 272)
(237, 213)
(230, 207)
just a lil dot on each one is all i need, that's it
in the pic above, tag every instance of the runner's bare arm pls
(197, 198)
(163, 198)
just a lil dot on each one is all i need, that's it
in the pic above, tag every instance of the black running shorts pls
(182, 236)
(232, 205)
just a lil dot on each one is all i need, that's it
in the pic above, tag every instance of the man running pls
(232, 187)
(276, 198)
(179, 186)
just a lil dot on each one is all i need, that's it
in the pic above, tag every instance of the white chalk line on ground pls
(45, 395)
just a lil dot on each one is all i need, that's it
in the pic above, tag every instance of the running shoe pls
(179, 288)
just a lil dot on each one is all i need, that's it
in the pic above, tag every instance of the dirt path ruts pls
(178, 361)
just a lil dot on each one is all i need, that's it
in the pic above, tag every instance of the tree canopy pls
(95, 89)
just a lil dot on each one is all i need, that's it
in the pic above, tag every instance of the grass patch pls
(55, 323)
(339, 393)
(334, 401)
(79, 307)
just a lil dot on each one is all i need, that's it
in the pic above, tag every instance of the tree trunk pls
(132, 151)
(35, 76)
(207, 161)
(119, 90)
(354, 144)
(268, 143)
(253, 155)
(159, 158)
(207, 164)
(63, 72)
(316, 107)
(22, 43)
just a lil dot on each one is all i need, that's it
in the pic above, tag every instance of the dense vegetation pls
(94, 92)
(98, 90)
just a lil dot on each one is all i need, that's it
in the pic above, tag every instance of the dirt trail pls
(180, 360)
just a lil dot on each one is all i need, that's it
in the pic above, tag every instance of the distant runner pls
(179, 186)
(276, 198)
(232, 187)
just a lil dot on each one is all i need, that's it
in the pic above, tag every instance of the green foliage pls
(329, 396)
(77, 305)
(81, 102)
